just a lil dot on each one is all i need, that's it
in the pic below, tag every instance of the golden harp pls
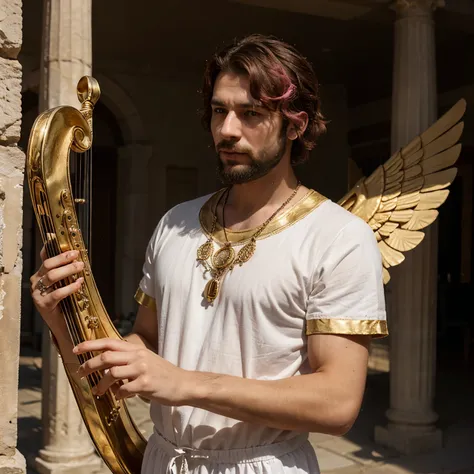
(54, 134)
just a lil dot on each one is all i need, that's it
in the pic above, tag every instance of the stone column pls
(411, 418)
(133, 227)
(12, 163)
(66, 57)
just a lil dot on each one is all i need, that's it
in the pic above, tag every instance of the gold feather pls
(442, 160)
(414, 159)
(392, 192)
(390, 256)
(445, 141)
(404, 240)
(379, 219)
(401, 216)
(432, 200)
(408, 201)
(394, 164)
(440, 180)
(394, 178)
(413, 172)
(420, 219)
(388, 206)
(387, 229)
(444, 123)
(412, 185)
(401, 197)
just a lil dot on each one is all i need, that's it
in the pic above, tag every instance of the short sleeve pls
(145, 294)
(347, 295)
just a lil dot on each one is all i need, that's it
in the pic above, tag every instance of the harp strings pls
(81, 181)
(80, 169)
(68, 304)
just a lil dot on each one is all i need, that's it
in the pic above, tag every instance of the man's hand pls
(142, 372)
(45, 297)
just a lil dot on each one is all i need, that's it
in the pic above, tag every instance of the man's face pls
(249, 139)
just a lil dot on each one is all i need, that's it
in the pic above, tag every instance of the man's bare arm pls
(326, 401)
(145, 329)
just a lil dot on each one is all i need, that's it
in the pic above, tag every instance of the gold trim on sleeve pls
(145, 300)
(371, 327)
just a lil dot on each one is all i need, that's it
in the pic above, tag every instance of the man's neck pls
(250, 204)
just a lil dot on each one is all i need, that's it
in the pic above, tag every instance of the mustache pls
(231, 147)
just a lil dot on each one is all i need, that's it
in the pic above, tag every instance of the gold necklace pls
(225, 259)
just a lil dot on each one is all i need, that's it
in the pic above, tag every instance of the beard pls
(260, 164)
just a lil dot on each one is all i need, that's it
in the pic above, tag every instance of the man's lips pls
(232, 157)
(232, 152)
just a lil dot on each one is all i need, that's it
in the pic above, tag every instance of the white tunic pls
(316, 269)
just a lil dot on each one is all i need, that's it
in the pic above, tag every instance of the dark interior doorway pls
(455, 270)
(104, 219)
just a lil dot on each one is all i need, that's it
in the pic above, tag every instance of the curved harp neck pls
(88, 93)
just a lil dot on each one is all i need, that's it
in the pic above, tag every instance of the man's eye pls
(251, 113)
(218, 110)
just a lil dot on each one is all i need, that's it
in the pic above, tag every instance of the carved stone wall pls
(12, 162)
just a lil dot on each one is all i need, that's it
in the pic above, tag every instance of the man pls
(257, 304)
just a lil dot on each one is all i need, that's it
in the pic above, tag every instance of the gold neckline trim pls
(310, 201)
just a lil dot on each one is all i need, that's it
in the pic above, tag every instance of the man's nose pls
(231, 128)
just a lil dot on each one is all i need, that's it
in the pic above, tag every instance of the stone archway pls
(124, 110)
(113, 97)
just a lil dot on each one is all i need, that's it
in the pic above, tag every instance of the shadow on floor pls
(30, 437)
(454, 404)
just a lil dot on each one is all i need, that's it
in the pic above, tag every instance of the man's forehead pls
(233, 88)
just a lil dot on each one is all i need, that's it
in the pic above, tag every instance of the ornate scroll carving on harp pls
(55, 133)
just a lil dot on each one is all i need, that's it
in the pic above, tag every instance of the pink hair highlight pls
(283, 101)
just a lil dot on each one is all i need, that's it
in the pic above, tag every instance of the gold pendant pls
(211, 290)
(223, 257)
(246, 252)
(205, 251)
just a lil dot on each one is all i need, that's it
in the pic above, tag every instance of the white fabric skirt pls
(295, 456)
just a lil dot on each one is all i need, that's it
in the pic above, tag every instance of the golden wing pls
(401, 196)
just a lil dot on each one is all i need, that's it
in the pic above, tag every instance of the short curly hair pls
(280, 78)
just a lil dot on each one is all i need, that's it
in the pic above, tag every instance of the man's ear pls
(297, 125)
